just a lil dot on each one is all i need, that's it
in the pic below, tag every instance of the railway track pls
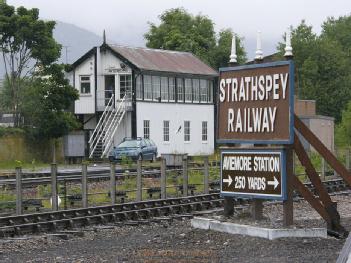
(131, 213)
(121, 213)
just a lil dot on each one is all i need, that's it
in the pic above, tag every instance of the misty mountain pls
(75, 42)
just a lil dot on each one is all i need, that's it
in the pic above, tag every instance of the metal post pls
(288, 205)
(65, 194)
(19, 209)
(139, 192)
(348, 159)
(185, 175)
(228, 206)
(84, 185)
(257, 209)
(54, 198)
(163, 178)
(206, 175)
(113, 183)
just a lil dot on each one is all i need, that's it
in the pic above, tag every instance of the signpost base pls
(228, 206)
(288, 204)
(257, 209)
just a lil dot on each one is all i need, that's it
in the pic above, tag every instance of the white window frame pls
(196, 90)
(156, 88)
(172, 89)
(146, 129)
(204, 131)
(180, 95)
(84, 81)
(139, 87)
(188, 90)
(164, 89)
(147, 91)
(166, 137)
(204, 90)
(187, 132)
(128, 89)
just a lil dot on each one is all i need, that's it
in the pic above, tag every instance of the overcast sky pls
(126, 21)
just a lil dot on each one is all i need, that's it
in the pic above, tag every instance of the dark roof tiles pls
(164, 60)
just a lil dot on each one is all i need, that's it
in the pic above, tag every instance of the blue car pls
(135, 149)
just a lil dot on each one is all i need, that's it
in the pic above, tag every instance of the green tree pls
(46, 108)
(221, 52)
(181, 31)
(25, 42)
(343, 129)
(322, 70)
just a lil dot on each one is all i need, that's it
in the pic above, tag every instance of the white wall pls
(86, 102)
(177, 114)
(124, 129)
(108, 64)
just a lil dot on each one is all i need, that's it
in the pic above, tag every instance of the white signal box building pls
(166, 96)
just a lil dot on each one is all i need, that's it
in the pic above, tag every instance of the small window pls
(180, 88)
(147, 87)
(139, 88)
(166, 131)
(156, 85)
(196, 90)
(125, 86)
(171, 85)
(146, 129)
(188, 91)
(85, 84)
(164, 89)
(204, 131)
(187, 131)
(204, 91)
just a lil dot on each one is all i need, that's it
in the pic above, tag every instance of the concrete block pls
(254, 231)
(201, 223)
(308, 232)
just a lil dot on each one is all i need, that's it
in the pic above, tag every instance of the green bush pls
(4, 131)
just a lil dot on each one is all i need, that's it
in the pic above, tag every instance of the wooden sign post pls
(255, 106)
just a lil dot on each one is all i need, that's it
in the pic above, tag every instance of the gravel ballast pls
(176, 241)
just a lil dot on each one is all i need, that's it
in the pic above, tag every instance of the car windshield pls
(129, 144)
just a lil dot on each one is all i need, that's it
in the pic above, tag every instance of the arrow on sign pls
(275, 182)
(229, 180)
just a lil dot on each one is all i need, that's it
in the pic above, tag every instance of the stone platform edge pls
(247, 230)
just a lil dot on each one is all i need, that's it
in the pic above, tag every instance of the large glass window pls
(187, 131)
(196, 90)
(156, 85)
(146, 129)
(204, 131)
(188, 91)
(166, 131)
(180, 89)
(164, 88)
(147, 87)
(139, 88)
(171, 85)
(125, 86)
(204, 91)
(84, 84)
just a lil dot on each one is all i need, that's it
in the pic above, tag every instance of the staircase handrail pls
(107, 147)
(114, 120)
(99, 125)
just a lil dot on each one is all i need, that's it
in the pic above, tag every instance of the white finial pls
(288, 48)
(233, 55)
(259, 53)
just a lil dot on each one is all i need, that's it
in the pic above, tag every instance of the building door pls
(109, 87)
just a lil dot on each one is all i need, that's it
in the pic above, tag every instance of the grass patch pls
(33, 166)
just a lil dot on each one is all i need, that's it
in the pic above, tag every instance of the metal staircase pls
(101, 140)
